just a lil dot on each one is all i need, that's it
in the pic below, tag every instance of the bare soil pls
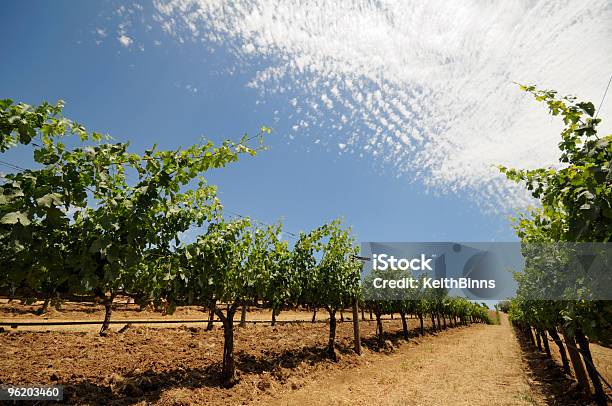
(173, 365)
(285, 364)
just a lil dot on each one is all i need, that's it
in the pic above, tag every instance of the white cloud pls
(101, 32)
(191, 88)
(427, 87)
(124, 40)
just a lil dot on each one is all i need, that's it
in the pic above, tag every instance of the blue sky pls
(391, 125)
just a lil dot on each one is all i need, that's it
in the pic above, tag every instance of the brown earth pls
(476, 365)
(165, 365)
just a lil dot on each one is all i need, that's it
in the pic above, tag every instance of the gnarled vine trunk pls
(545, 341)
(108, 303)
(379, 328)
(422, 324)
(331, 344)
(211, 316)
(243, 316)
(583, 343)
(44, 307)
(577, 362)
(538, 340)
(404, 325)
(228, 369)
(529, 335)
(555, 336)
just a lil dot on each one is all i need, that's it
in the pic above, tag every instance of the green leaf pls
(97, 246)
(5, 103)
(49, 200)
(587, 107)
(14, 218)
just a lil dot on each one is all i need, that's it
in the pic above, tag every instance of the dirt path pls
(477, 366)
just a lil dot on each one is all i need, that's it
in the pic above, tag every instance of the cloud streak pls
(124, 40)
(425, 88)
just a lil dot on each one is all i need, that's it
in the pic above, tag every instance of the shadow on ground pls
(148, 385)
(558, 388)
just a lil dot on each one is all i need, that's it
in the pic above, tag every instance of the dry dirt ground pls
(476, 365)
(480, 365)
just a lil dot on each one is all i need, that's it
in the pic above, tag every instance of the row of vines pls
(575, 206)
(92, 219)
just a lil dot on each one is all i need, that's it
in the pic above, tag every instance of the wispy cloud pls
(101, 32)
(124, 40)
(424, 87)
(125, 14)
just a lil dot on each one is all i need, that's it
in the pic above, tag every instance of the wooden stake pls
(357, 337)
